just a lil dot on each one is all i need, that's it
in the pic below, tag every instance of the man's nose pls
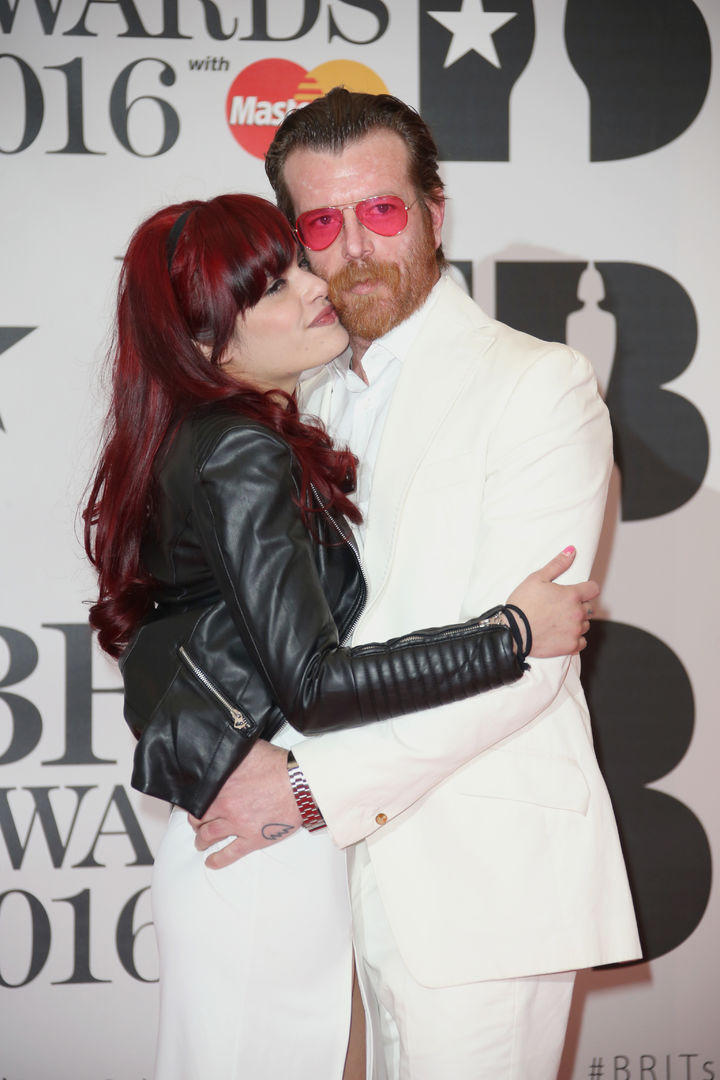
(356, 239)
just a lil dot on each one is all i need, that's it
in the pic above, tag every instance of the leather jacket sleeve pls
(262, 557)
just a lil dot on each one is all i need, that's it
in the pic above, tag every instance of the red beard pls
(405, 288)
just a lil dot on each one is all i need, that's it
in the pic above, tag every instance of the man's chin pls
(368, 316)
(397, 290)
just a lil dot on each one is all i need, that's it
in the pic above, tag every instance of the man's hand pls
(256, 805)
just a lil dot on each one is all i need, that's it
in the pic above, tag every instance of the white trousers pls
(505, 1029)
(255, 960)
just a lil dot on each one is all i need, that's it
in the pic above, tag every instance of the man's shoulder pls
(464, 324)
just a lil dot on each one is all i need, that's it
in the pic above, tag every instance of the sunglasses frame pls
(351, 206)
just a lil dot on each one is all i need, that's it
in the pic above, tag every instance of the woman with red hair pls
(229, 581)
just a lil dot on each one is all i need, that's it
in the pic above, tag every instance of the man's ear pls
(435, 203)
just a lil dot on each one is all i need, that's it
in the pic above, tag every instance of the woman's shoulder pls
(213, 433)
(219, 429)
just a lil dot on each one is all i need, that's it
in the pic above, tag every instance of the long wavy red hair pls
(189, 270)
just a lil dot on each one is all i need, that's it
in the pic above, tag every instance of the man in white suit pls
(485, 866)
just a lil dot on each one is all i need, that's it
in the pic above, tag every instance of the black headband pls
(174, 235)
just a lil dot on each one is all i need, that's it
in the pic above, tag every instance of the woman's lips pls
(327, 316)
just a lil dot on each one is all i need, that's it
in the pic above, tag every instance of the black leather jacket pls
(251, 613)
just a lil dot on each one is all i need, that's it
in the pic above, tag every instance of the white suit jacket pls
(487, 821)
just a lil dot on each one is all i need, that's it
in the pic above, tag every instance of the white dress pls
(255, 959)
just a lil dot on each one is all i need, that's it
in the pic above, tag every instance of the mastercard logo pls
(264, 93)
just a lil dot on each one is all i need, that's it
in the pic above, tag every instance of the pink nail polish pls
(569, 550)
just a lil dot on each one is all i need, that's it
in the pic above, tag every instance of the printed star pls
(472, 30)
(10, 335)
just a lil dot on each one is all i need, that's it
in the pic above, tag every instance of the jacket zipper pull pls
(239, 721)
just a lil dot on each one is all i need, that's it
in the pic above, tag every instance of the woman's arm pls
(262, 558)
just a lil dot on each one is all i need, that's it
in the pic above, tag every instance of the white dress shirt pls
(358, 410)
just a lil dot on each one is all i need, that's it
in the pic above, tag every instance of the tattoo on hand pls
(275, 830)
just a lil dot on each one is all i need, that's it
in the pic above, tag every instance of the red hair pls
(182, 285)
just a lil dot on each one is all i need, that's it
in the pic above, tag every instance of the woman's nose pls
(315, 286)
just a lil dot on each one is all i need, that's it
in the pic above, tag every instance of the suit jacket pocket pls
(548, 780)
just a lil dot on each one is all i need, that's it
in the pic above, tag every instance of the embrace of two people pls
(346, 659)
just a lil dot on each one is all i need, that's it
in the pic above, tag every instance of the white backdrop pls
(578, 135)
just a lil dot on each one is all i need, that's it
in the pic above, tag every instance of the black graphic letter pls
(469, 61)
(642, 709)
(646, 67)
(661, 441)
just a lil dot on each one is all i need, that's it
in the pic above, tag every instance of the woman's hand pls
(559, 615)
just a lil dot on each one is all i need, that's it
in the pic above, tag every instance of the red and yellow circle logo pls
(264, 92)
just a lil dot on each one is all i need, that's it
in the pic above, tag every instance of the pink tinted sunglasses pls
(386, 215)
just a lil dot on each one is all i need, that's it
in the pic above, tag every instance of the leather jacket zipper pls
(458, 632)
(355, 618)
(239, 721)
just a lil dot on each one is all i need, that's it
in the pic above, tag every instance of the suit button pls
(381, 819)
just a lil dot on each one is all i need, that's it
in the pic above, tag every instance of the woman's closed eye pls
(275, 286)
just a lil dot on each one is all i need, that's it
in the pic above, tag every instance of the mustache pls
(356, 273)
